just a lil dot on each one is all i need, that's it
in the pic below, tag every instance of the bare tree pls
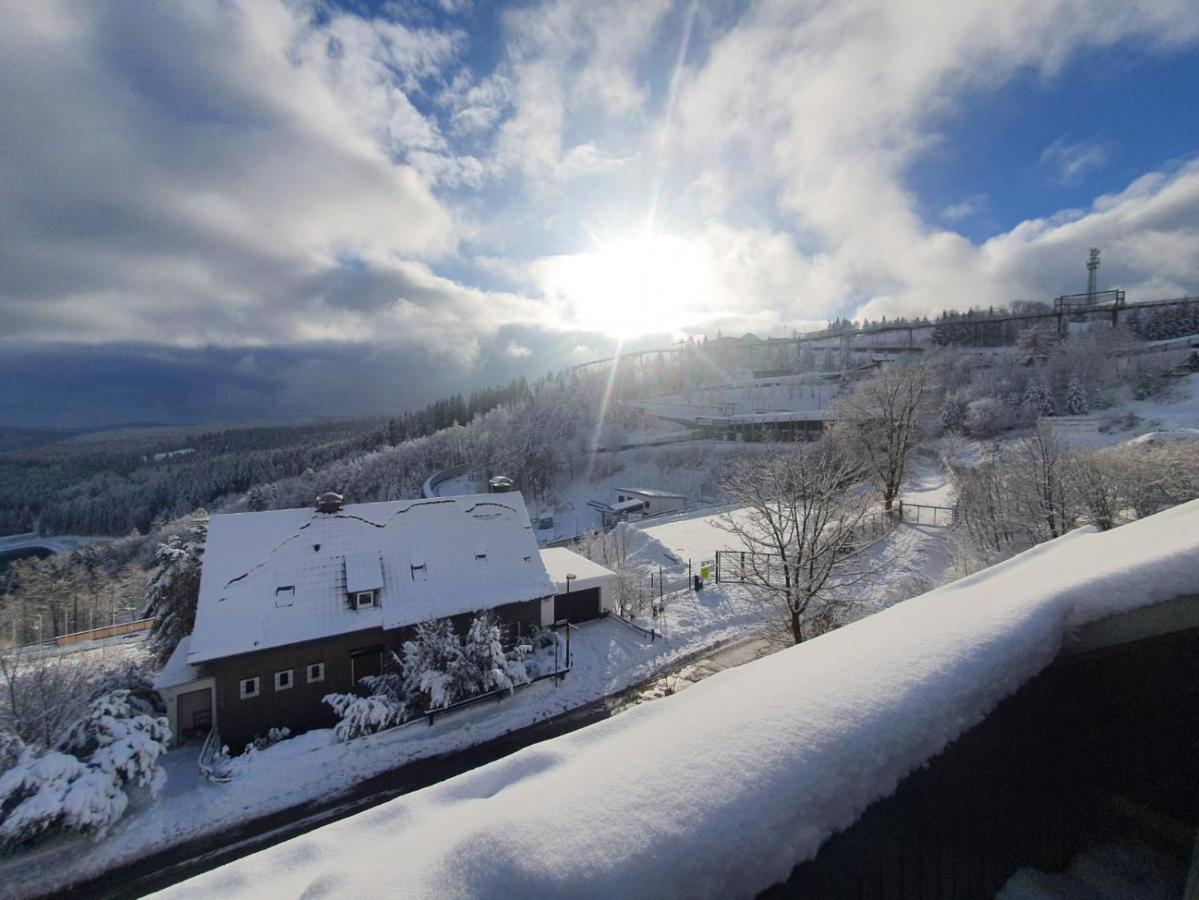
(42, 693)
(800, 521)
(1044, 480)
(882, 419)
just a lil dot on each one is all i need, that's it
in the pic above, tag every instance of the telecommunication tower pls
(1092, 275)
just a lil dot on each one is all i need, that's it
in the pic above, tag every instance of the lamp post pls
(570, 576)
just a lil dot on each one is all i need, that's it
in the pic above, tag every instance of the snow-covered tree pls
(83, 783)
(175, 586)
(434, 676)
(364, 715)
(484, 652)
(120, 741)
(56, 792)
(1038, 399)
(883, 420)
(799, 520)
(986, 417)
(1077, 403)
(953, 414)
(1037, 342)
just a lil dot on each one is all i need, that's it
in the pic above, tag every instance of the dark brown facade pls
(343, 658)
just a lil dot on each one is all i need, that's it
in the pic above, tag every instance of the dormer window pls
(364, 600)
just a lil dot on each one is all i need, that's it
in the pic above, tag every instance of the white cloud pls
(237, 173)
(966, 209)
(1071, 162)
(517, 351)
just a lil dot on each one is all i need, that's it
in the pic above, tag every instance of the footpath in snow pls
(722, 789)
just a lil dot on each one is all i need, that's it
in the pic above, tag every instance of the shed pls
(586, 596)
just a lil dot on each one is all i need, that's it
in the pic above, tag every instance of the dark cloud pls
(70, 385)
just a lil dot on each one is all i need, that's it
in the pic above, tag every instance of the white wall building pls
(585, 596)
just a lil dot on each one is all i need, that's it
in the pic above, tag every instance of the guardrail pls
(428, 490)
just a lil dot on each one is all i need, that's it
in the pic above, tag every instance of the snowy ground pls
(607, 657)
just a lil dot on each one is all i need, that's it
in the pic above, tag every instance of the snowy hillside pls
(721, 790)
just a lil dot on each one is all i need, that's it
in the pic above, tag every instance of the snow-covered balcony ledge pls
(723, 789)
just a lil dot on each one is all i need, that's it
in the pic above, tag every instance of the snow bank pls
(1170, 435)
(722, 789)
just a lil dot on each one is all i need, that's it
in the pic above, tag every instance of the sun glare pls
(635, 286)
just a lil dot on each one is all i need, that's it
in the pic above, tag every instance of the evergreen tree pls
(175, 587)
(1038, 399)
(1076, 398)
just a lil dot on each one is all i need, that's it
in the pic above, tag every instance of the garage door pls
(577, 606)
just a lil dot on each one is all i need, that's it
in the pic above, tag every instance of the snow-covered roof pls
(731, 783)
(283, 576)
(626, 506)
(177, 671)
(560, 562)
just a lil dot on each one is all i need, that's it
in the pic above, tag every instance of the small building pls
(653, 502)
(298, 603)
(583, 588)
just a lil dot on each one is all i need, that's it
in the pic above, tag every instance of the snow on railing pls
(214, 764)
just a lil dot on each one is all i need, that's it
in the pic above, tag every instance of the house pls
(298, 603)
(584, 588)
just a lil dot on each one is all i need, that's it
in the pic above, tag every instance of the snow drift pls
(722, 789)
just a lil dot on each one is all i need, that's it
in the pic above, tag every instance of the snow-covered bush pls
(117, 739)
(953, 414)
(272, 736)
(82, 785)
(56, 792)
(987, 417)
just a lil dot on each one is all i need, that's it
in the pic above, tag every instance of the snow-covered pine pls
(363, 715)
(427, 661)
(114, 738)
(175, 586)
(1038, 399)
(56, 792)
(484, 652)
(1077, 403)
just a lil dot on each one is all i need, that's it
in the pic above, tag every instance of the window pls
(249, 687)
(647, 506)
(284, 680)
(316, 672)
(364, 599)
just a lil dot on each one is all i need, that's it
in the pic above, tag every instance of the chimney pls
(329, 502)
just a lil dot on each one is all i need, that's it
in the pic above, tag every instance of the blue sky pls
(277, 202)
(1134, 111)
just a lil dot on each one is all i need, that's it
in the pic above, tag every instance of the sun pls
(634, 286)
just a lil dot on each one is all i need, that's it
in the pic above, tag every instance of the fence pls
(104, 631)
(925, 514)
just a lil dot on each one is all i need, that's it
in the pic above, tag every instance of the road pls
(186, 860)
